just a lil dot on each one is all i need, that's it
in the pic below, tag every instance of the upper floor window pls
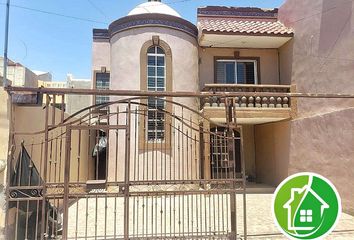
(236, 71)
(156, 81)
(102, 82)
(156, 69)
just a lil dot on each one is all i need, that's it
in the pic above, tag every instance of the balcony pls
(255, 104)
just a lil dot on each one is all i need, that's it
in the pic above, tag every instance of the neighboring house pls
(52, 84)
(320, 60)
(31, 118)
(44, 76)
(18, 74)
(77, 102)
(74, 103)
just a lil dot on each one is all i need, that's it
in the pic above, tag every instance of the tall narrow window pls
(236, 71)
(156, 81)
(102, 82)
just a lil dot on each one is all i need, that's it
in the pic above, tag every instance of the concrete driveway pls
(261, 226)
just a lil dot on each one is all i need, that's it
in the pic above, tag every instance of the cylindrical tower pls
(154, 49)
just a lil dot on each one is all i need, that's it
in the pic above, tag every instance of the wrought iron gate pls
(147, 167)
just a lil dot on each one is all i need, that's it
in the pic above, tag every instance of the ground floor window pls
(156, 119)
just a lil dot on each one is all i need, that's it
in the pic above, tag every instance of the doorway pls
(225, 164)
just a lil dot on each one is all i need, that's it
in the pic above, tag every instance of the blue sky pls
(63, 45)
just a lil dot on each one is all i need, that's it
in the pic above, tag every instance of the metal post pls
(46, 139)
(66, 183)
(127, 173)
(231, 156)
(6, 42)
(244, 198)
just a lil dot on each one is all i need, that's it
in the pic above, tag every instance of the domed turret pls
(151, 31)
(154, 6)
(152, 24)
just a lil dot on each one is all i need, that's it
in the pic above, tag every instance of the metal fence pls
(149, 166)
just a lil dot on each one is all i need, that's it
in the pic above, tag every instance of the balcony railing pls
(257, 100)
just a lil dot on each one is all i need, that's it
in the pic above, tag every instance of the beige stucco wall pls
(320, 60)
(56, 149)
(321, 52)
(125, 75)
(4, 129)
(285, 62)
(4, 134)
(272, 146)
(125, 58)
(75, 103)
(249, 149)
(325, 144)
(100, 55)
(268, 63)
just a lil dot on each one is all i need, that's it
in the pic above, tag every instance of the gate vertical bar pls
(127, 172)
(243, 167)
(66, 183)
(231, 155)
(46, 139)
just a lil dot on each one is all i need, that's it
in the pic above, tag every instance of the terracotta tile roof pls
(238, 12)
(243, 26)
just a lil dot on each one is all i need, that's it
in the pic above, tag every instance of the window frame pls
(144, 144)
(156, 110)
(255, 60)
(94, 82)
(156, 69)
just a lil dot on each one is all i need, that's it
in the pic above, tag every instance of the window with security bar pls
(102, 83)
(236, 71)
(156, 81)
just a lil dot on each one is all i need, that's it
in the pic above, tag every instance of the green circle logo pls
(306, 206)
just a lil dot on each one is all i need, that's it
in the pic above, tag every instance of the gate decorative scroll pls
(143, 167)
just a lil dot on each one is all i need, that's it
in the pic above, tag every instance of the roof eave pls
(205, 31)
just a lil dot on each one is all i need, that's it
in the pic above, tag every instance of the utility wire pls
(318, 13)
(57, 14)
(174, 2)
(168, 3)
(80, 18)
(97, 8)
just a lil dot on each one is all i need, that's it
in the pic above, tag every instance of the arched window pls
(156, 81)
(156, 73)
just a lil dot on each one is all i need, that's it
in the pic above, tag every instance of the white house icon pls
(306, 215)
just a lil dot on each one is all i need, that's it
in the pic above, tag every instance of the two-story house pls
(229, 50)
(185, 116)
